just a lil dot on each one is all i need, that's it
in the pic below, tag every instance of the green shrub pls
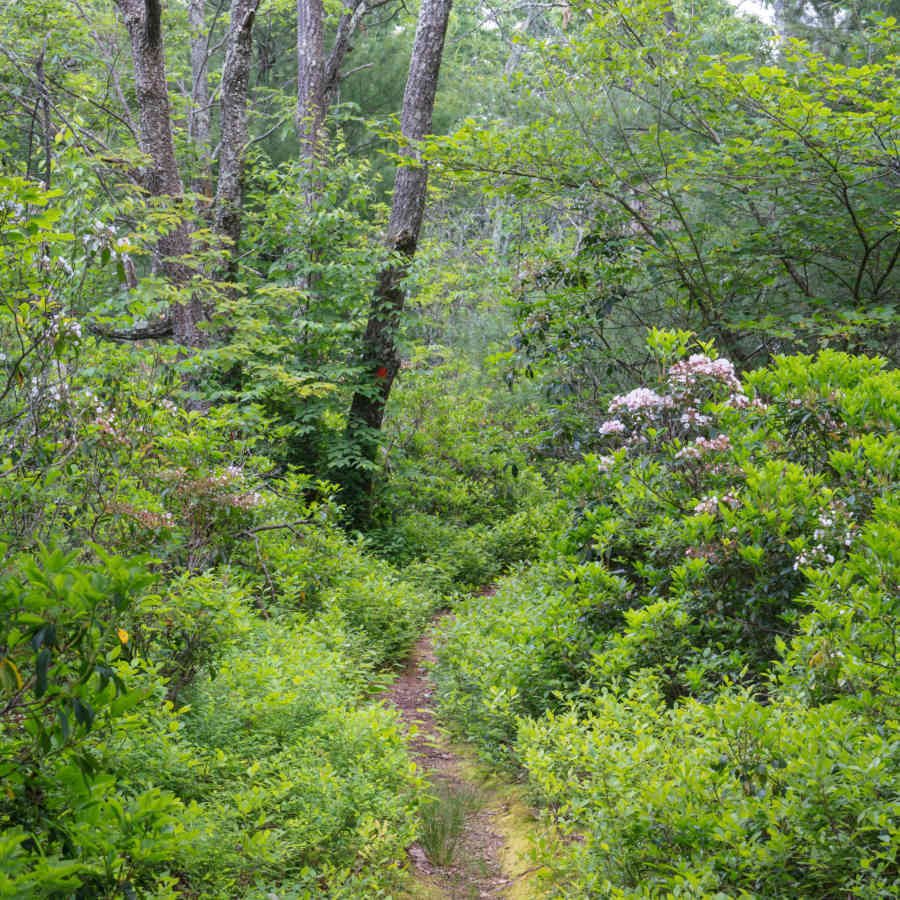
(516, 652)
(733, 798)
(298, 785)
(702, 688)
(70, 685)
(322, 571)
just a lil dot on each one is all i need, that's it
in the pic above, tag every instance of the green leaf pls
(42, 665)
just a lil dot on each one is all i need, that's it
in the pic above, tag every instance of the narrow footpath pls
(485, 858)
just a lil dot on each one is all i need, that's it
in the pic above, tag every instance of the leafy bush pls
(256, 611)
(701, 687)
(732, 798)
(514, 653)
(296, 785)
(68, 686)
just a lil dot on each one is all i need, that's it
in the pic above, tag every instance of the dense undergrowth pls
(190, 644)
(691, 656)
(463, 500)
(699, 679)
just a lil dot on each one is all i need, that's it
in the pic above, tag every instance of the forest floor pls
(485, 857)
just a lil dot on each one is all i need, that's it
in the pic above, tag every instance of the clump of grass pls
(444, 818)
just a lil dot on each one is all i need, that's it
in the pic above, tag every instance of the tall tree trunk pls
(161, 178)
(318, 75)
(310, 76)
(233, 144)
(200, 112)
(380, 353)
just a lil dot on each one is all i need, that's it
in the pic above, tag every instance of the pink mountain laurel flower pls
(740, 400)
(640, 399)
(693, 417)
(686, 372)
(613, 426)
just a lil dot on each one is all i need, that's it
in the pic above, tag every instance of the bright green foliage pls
(698, 678)
(295, 784)
(328, 576)
(69, 680)
(194, 724)
(702, 687)
(515, 653)
(706, 188)
(730, 799)
(297, 319)
(464, 500)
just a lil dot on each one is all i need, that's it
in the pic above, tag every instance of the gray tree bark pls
(200, 112)
(161, 177)
(233, 144)
(310, 76)
(380, 353)
(318, 75)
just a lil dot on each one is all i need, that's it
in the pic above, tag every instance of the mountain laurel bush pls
(700, 680)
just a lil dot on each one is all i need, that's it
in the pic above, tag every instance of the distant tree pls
(749, 202)
(833, 26)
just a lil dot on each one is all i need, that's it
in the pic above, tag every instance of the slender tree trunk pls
(318, 75)
(779, 15)
(44, 101)
(161, 178)
(310, 76)
(380, 353)
(518, 48)
(233, 144)
(200, 112)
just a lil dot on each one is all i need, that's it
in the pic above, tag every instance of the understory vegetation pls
(699, 679)
(628, 409)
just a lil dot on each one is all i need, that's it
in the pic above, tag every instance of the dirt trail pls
(487, 863)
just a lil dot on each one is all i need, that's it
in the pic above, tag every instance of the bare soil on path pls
(488, 861)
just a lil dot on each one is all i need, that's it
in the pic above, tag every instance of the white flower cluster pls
(56, 392)
(17, 210)
(817, 555)
(711, 503)
(703, 446)
(686, 372)
(104, 235)
(613, 426)
(62, 324)
(244, 501)
(149, 518)
(836, 531)
(641, 400)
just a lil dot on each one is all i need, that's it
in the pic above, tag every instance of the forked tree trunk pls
(161, 178)
(318, 75)
(380, 354)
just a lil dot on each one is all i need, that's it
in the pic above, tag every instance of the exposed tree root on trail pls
(484, 857)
